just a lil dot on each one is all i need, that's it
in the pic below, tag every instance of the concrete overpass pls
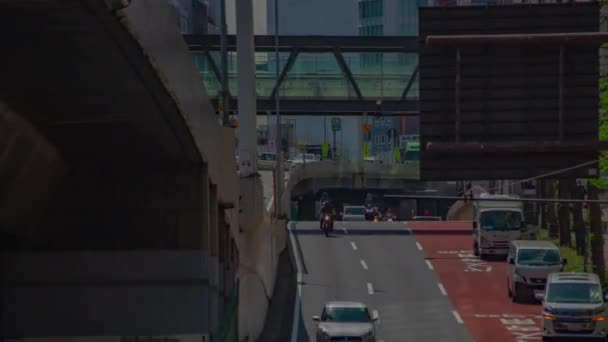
(349, 175)
(119, 209)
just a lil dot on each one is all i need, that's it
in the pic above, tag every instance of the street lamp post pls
(279, 137)
(224, 56)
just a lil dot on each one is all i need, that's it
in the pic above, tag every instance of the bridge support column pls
(246, 86)
(213, 239)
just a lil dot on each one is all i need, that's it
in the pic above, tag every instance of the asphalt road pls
(380, 265)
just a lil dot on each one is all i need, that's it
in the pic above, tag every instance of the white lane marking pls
(457, 316)
(442, 289)
(376, 314)
(370, 288)
(297, 300)
(428, 263)
(363, 264)
(352, 243)
(418, 245)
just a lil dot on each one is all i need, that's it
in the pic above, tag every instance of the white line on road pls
(352, 243)
(370, 288)
(363, 264)
(428, 263)
(418, 245)
(376, 314)
(297, 300)
(457, 316)
(442, 289)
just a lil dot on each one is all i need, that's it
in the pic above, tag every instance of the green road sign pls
(336, 124)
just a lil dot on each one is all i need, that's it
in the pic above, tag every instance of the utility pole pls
(279, 144)
(247, 133)
(225, 98)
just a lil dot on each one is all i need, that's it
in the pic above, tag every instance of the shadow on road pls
(279, 318)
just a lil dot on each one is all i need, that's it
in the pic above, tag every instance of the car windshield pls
(538, 257)
(574, 293)
(354, 211)
(500, 220)
(337, 314)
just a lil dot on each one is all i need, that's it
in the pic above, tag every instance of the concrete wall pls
(31, 169)
(346, 174)
(118, 233)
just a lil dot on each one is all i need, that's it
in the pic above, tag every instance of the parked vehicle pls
(529, 264)
(496, 223)
(574, 308)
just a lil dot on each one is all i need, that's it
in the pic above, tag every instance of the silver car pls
(574, 308)
(529, 264)
(346, 321)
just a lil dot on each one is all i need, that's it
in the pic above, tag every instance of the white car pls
(353, 213)
(346, 321)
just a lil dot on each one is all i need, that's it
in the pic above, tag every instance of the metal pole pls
(560, 114)
(457, 97)
(334, 146)
(280, 179)
(246, 89)
(224, 57)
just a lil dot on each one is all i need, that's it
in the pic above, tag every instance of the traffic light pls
(366, 127)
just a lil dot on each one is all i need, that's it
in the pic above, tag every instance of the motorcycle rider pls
(327, 208)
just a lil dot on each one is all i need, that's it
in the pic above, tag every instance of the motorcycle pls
(389, 217)
(327, 225)
(369, 212)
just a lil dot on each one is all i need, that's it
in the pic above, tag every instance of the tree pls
(564, 215)
(594, 185)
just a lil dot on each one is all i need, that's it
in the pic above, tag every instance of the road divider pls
(457, 317)
(442, 289)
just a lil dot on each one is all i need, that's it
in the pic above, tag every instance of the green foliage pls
(602, 182)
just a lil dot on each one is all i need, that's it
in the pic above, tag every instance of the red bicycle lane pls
(477, 288)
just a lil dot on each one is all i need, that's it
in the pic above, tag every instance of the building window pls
(371, 9)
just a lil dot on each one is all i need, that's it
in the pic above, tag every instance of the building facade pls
(196, 16)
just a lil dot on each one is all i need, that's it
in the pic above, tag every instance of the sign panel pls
(336, 124)
(507, 94)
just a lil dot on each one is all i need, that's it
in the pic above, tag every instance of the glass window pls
(333, 314)
(538, 257)
(500, 220)
(354, 211)
(574, 293)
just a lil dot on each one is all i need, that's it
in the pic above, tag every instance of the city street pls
(379, 265)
